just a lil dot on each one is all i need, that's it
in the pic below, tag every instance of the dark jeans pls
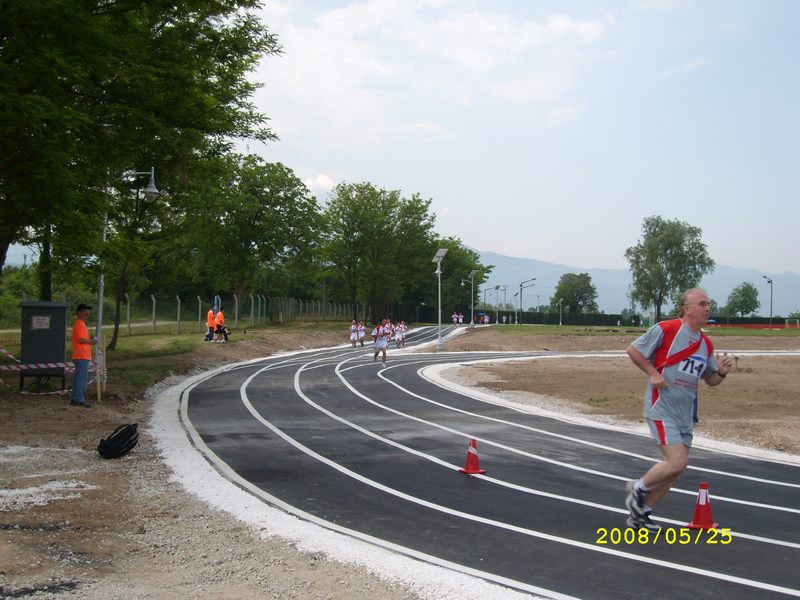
(210, 334)
(80, 381)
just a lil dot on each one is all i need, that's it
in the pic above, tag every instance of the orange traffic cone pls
(702, 511)
(473, 466)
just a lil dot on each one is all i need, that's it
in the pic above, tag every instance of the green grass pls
(142, 375)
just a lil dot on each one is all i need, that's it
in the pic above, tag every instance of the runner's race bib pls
(693, 366)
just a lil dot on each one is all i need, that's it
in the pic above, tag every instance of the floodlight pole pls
(440, 254)
(560, 309)
(769, 281)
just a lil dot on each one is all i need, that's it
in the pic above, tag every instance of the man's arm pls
(640, 360)
(724, 366)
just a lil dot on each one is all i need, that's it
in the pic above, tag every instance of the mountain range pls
(612, 284)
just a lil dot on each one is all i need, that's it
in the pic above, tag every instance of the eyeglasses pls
(701, 304)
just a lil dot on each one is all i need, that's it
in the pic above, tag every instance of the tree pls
(577, 292)
(257, 216)
(743, 299)
(360, 248)
(89, 89)
(669, 258)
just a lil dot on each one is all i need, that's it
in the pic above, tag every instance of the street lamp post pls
(516, 315)
(560, 309)
(471, 296)
(440, 254)
(521, 287)
(769, 281)
(497, 305)
(484, 290)
(150, 190)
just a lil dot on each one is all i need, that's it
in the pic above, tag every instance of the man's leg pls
(80, 381)
(662, 475)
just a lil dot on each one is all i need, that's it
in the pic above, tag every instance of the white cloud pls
(692, 65)
(380, 71)
(657, 5)
(320, 184)
(563, 114)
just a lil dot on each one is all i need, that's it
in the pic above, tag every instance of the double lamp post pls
(150, 191)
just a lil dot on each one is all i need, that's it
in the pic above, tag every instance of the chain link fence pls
(160, 313)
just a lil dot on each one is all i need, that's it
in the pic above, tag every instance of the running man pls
(362, 332)
(675, 355)
(381, 334)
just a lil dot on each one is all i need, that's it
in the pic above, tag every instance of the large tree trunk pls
(45, 269)
(4, 246)
(122, 284)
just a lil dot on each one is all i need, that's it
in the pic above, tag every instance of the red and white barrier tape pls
(8, 354)
(69, 366)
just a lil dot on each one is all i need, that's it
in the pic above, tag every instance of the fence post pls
(252, 309)
(200, 314)
(236, 311)
(128, 312)
(153, 298)
(178, 298)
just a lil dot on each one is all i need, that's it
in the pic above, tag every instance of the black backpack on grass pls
(120, 442)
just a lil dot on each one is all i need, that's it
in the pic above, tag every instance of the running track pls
(374, 452)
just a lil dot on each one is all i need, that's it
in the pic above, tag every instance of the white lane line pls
(228, 473)
(421, 373)
(438, 461)
(542, 458)
(492, 522)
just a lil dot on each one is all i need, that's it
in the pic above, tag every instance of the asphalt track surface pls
(374, 452)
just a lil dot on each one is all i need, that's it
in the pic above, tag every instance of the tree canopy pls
(669, 258)
(743, 299)
(90, 89)
(577, 292)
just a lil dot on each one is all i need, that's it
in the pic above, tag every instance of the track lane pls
(265, 458)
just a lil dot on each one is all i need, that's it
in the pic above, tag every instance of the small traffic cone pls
(702, 511)
(473, 466)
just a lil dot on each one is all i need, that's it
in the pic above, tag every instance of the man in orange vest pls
(81, 356)
(211, 324)
(222, 334)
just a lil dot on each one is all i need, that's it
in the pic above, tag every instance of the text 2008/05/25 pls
(683, 536)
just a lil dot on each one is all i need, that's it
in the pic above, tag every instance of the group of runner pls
(383, 333)
(458, 318)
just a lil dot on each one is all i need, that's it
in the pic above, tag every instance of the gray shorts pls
(666, 432)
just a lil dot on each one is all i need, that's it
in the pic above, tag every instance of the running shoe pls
(643, 522)
(634, 499)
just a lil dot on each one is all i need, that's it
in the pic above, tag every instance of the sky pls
(550, 130)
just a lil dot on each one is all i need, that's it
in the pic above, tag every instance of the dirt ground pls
(758, 403)
(74, 525)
